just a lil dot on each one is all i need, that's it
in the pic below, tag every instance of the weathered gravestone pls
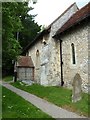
(76, 92)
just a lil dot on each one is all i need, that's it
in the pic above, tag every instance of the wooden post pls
(15, 76)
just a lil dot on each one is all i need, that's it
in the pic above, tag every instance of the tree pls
(13, 16)
(29, 31)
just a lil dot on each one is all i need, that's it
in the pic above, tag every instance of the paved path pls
(49, 108)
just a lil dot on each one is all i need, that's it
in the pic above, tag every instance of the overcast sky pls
(49, 10)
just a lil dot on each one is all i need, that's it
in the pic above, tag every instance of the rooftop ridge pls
(62, 14)
(77, 17)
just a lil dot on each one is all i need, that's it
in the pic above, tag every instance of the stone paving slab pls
(47, 107)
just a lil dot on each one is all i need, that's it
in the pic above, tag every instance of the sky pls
(48, 10)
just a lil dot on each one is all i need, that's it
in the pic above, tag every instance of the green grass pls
(13, 106)
(59, 96)
(0, 102)
(8, 78)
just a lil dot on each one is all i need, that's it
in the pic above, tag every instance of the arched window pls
(73, 54)
(37, 53)
(37, 59)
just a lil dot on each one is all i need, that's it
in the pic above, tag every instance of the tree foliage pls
(15, 19)
(29, 31)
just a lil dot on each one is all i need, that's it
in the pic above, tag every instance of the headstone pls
(76, 92)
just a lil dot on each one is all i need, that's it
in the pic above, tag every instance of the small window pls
(37, 52)
(73, 54)
(44, 43)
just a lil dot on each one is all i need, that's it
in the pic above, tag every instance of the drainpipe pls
(61, 63)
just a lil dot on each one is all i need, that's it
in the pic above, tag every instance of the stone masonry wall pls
(78, 36)
(47, 64)
(32, 52)
(54, 77)
(41, 61)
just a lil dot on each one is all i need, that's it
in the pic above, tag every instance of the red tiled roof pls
(24, 61)
(76, 18)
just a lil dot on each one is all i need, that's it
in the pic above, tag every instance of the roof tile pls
(24, 61)
(76, 18)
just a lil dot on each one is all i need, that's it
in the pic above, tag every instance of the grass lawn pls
(0, 102)
(8, 78)
(59, 96)
(13, 106)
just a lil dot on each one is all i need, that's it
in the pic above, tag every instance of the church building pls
(61, 50)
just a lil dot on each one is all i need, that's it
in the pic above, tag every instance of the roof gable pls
(46, 30)
(76, 18)
(24, 61)
(63, 13)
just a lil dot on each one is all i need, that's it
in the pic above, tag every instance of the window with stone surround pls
(37, 53)
(73, 54)
(37, 59)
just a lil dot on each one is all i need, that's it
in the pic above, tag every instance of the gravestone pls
(76, 92)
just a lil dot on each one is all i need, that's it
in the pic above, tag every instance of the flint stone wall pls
(79, 36)
(54, 77)
(47, 64)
